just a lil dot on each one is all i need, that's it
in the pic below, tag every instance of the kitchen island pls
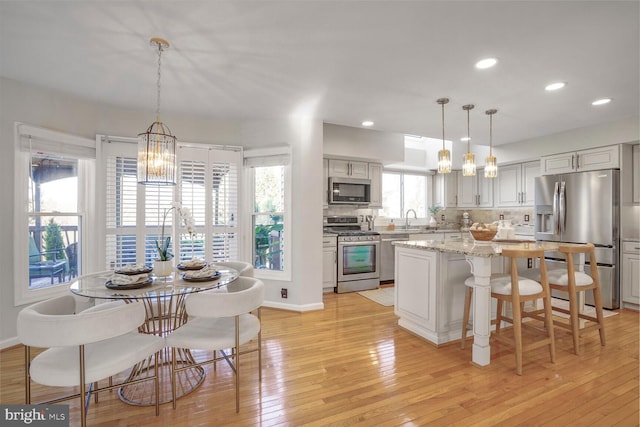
(429, 288)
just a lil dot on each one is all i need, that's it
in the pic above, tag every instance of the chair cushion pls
(203, 333)
(60, 366)
(561, 277)
(502, 285)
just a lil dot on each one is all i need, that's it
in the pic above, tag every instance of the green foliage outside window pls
(53, 243)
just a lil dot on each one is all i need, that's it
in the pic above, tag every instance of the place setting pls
(130, 276)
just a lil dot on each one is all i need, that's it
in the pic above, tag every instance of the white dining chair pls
(84, 348)
(245, 269)
(220, 321)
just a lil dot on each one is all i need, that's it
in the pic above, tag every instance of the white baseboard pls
(9, 342)
(294, 307)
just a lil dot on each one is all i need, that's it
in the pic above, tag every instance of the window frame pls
(68, 145)
(428, 189)
(273, 156)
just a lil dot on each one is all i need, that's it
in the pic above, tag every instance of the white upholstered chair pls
(83, 348)
(220, 321)
(244, 268)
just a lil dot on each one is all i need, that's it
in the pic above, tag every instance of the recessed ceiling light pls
(555, 86)
(465, 138)
(367, 123)
(486, 63)
(601, 101)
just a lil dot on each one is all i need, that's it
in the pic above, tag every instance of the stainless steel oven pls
(358, 254)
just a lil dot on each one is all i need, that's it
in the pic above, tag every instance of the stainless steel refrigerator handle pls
(563, 207)
(556, 221)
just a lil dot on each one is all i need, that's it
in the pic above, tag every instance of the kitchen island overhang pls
(429, 288)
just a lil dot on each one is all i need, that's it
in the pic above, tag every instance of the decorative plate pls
(216, 276)
(136, 285)
(183, 267)
(146, 269)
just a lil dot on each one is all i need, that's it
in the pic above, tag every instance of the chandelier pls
(469, 162)
(490, 166)
(444, 155)
(157, 146)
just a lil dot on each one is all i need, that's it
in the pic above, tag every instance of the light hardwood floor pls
(351, 364)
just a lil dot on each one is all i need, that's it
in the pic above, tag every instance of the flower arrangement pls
(435, 209)
(189, 223)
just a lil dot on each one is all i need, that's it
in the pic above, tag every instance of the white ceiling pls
(340, 61)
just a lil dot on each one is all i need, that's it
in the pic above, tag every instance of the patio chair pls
(40, 267)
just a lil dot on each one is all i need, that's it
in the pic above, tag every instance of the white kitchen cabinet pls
(329, 262)
(584, 160)
(515, 184)
(636, 173)
(375, 175)
(445, 190)
(475, 191)
(348, 169)
(631, 273)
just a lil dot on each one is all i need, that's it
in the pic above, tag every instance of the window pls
(51, 172)
(403, 191)
(135, 214)
(268, 173)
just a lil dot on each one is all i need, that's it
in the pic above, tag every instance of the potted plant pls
(163, 266)
(434, 211)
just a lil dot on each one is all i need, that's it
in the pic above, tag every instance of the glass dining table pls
(164, 301)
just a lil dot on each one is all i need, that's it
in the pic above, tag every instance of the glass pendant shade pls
(491, 164)
(157, 156)
(490, 167)
(444, 161)
(469, 165)
(469, 162)
(444, 155)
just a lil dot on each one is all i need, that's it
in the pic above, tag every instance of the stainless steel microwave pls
(349, 191)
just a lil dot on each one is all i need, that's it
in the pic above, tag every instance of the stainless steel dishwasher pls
(387, 259)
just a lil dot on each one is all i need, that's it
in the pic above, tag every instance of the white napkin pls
(194, 262)
(133, 267)
(124, 279)
(208, 271)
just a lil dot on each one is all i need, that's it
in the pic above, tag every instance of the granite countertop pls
(471, 247)
(400, 230)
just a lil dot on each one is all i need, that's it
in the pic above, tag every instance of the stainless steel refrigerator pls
(583, 207)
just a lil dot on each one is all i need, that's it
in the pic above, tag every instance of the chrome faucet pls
(406, 218)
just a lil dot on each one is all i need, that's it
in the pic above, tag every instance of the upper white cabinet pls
(445, 190)
(348, 169)
(583, 160)
(375, 175)
(475, 191)
(515, 185)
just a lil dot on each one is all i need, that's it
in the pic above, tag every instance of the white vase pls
(432, 222)
(163, 268)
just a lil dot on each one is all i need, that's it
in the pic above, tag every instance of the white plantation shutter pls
(207, 186)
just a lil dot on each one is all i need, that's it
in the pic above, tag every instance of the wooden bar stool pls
(573, 281)
(526, 290)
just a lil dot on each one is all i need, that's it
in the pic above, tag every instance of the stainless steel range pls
(358, 254)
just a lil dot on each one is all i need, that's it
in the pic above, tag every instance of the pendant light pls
(444, 155)
(491, 167)
(157, 146)
(469, 162)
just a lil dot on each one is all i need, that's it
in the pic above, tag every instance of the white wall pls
(53, 110)
(358, 143)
